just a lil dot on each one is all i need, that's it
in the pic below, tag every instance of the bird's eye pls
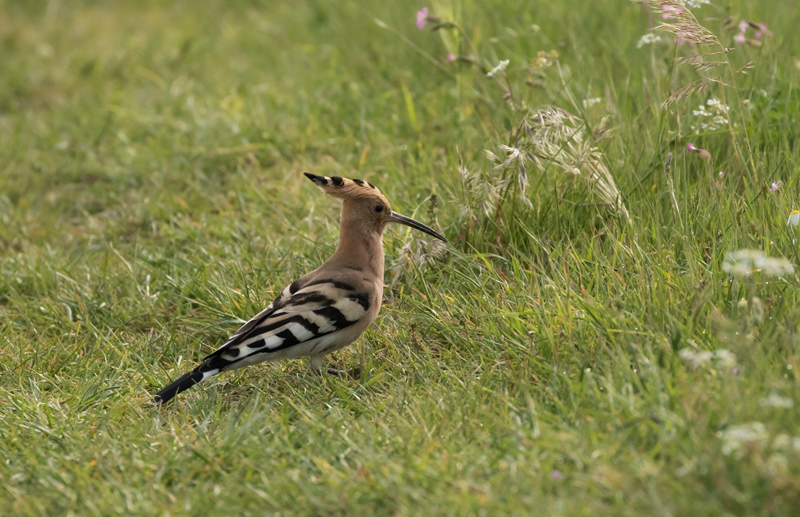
(379, 208)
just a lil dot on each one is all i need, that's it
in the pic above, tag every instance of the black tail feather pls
(213, 364)
(183, 383)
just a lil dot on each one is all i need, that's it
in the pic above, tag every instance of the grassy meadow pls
(585, 344)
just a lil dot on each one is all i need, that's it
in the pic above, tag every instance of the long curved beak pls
(400, 218)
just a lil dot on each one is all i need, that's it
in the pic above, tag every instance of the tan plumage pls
(324, 310)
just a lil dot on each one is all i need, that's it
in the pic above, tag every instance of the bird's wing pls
(301, 313)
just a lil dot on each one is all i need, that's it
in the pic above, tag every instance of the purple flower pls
(775, 186)
(690, 147)
(422, 14)
(557, 475)
(758, 34)
(451, 57)
(742, 26)
(740, 39)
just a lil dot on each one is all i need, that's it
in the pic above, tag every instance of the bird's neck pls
(360, 247)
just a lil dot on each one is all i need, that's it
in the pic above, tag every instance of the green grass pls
(152, 198)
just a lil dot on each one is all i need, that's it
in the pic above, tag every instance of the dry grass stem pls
(554, 136)
(686, 92)
(699, 63)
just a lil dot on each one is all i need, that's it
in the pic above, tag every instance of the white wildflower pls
(736, 269)
(499, 68)
(776, 401)
(648, 39)
(746, 262)
(776, 464)
(794, 218)
(717, 107)
(695, 359)
(785, 442)
(710, 119)
(588, 103)
(722, 359)
(774, 266)
(694, 4)
(734, 438)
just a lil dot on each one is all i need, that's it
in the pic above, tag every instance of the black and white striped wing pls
(293, 325)
(309, 318)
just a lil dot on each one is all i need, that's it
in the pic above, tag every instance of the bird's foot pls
(355, 373)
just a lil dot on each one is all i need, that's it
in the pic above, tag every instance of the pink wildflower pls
(557, 475)
(451, 57)
(775, 186)
(740, 39)
(422, 14)
(743, 26)
(701, 153)
(762, 30)
(669, 12)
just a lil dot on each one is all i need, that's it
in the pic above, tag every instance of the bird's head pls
(365, 206)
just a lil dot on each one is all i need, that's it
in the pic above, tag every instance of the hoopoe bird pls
(324, 310)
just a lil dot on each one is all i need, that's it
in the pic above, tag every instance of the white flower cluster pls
(722, 359)
(785, 442)
(588, 103)
(499, 68)
(712, 118)
(694, 4)
(648, 39)
(776, 401)
(736, 440)
(745, 262)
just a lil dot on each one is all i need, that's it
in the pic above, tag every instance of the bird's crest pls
(344, 188)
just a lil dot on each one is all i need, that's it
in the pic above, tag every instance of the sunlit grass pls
(152, 198)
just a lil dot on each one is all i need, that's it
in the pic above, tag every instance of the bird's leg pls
(333, 372)
(315, 361)
(315, 367)
(354, 373)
